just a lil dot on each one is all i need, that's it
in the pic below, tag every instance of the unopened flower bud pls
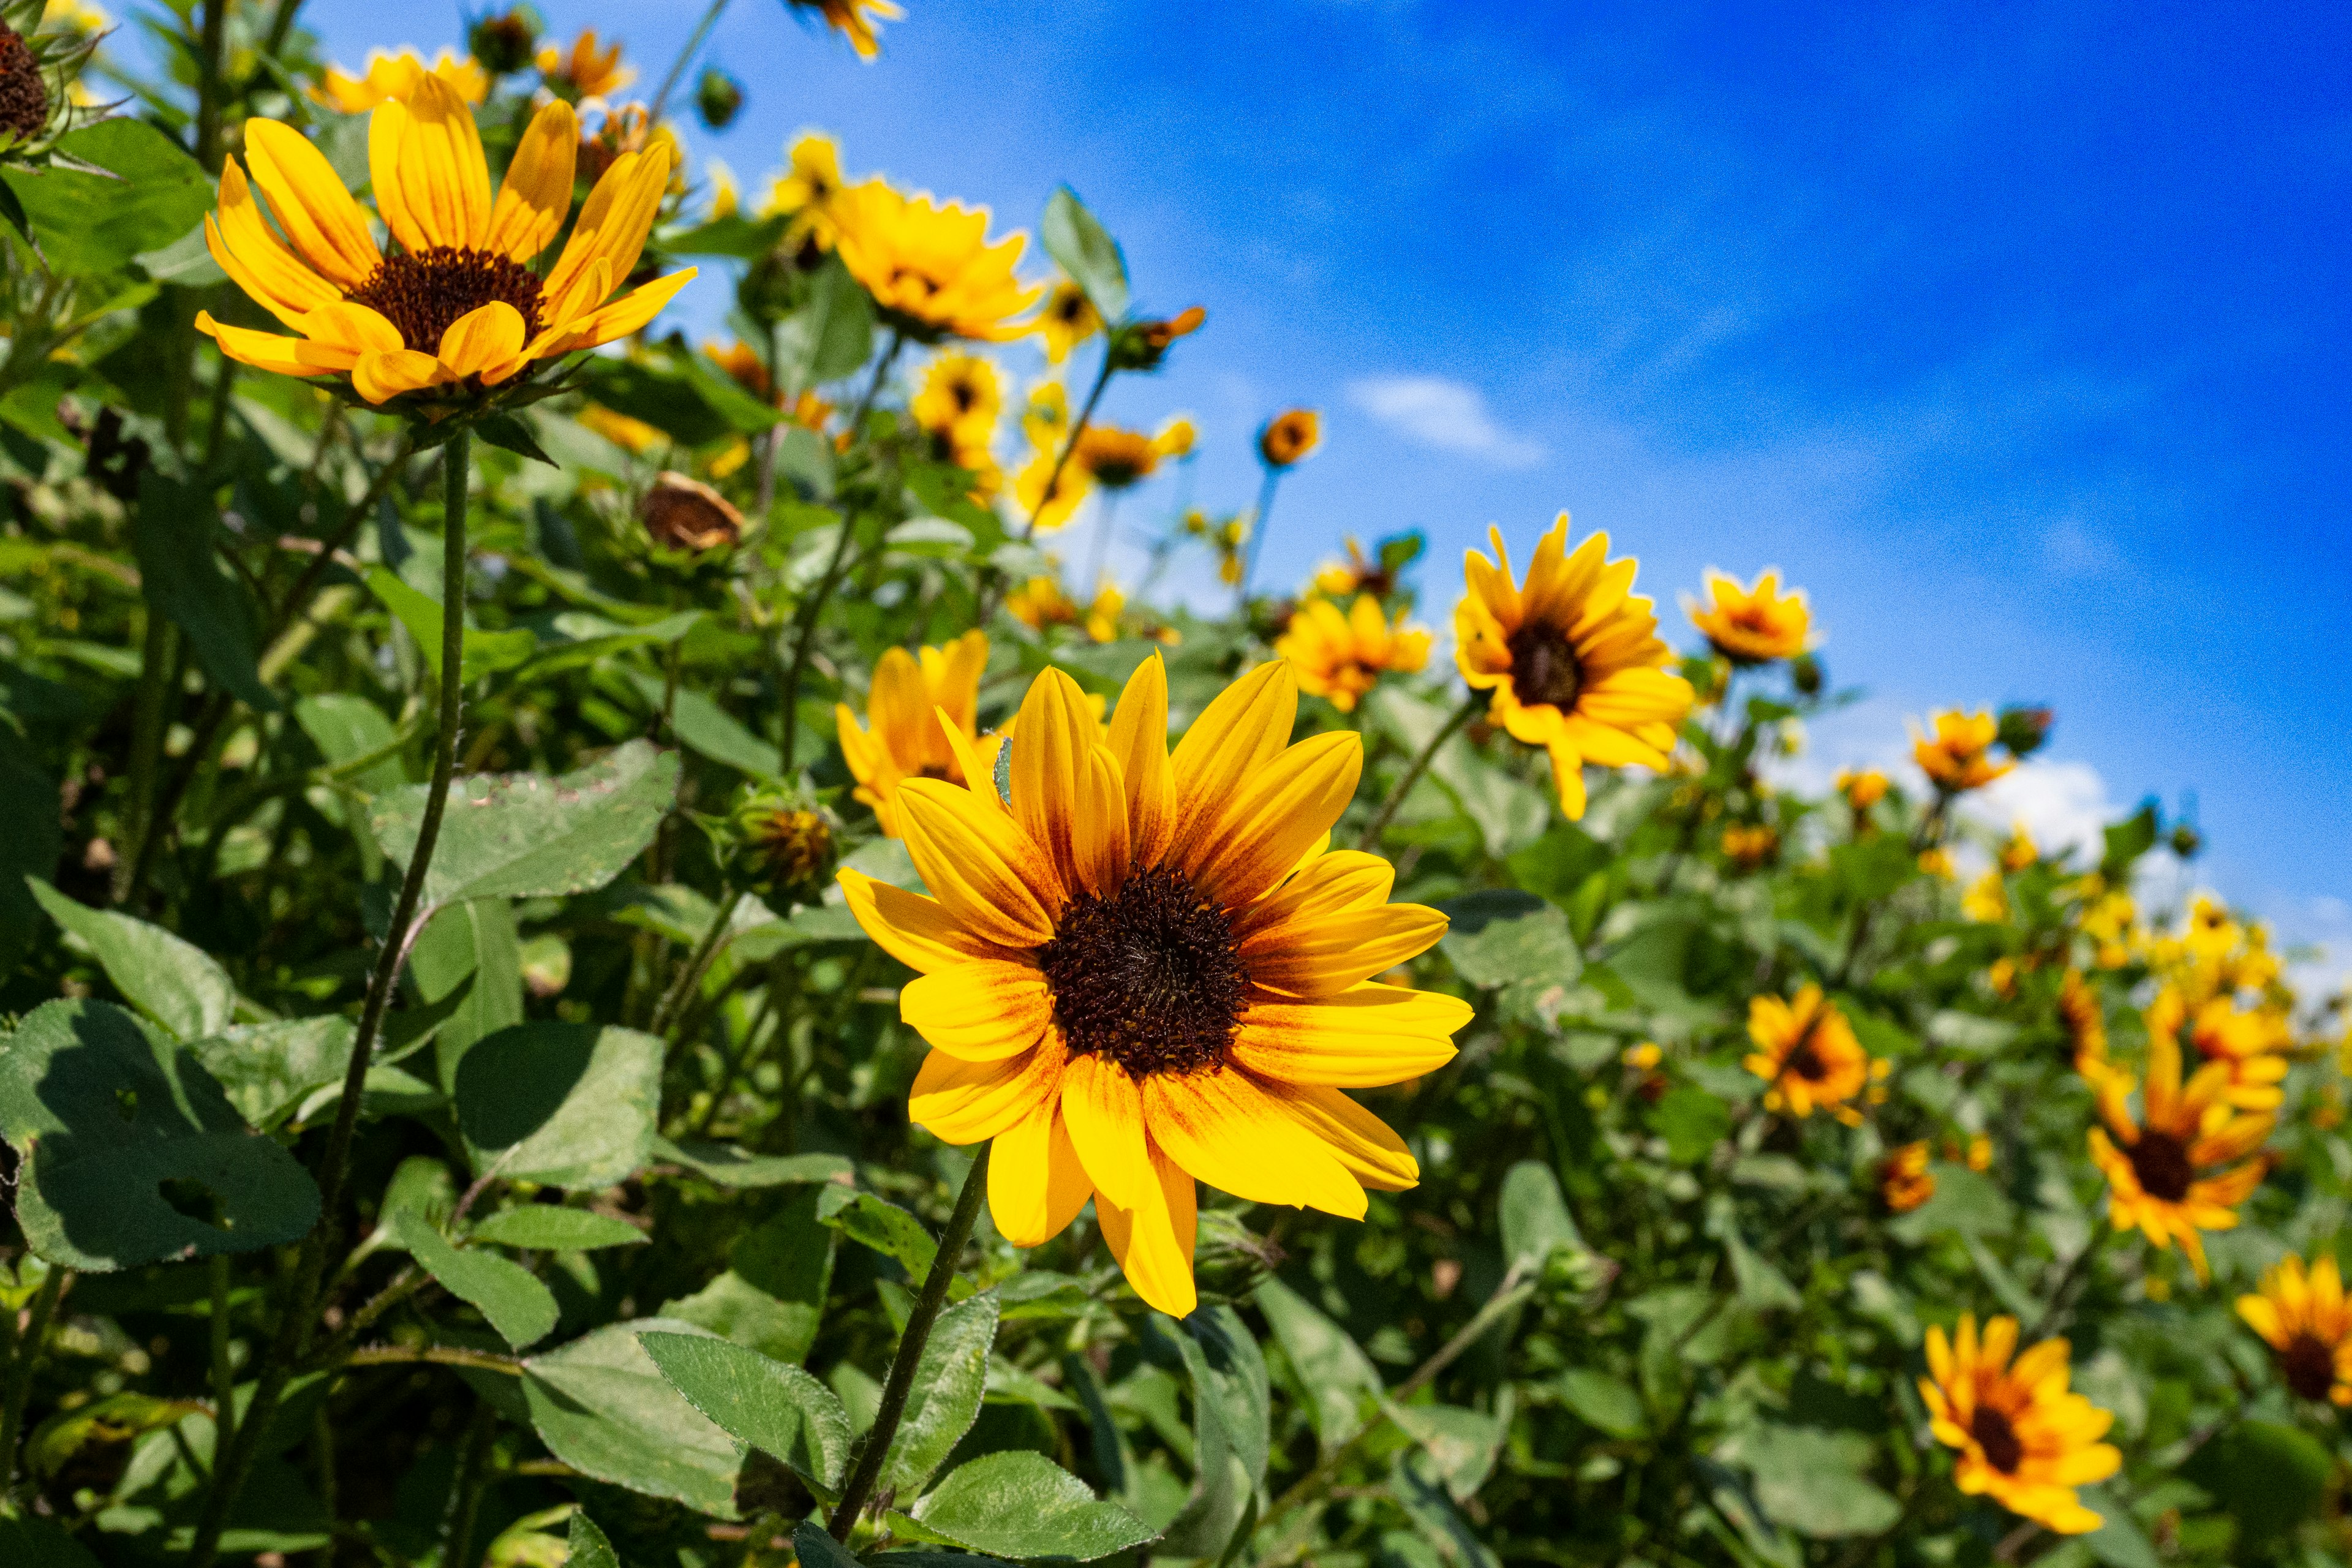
(505, 43)
(2025, 730)
(2185, 841)
(1806, 671)
(24, 96)
(718, 98)
(1141, 345)
(783, 844)
(680, 513)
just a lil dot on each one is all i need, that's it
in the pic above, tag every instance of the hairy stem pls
(150, 717)
(697, 964)
(1421, 761)
(901, 1381)
(29, 1345)
(208, 86)
(292, 1341)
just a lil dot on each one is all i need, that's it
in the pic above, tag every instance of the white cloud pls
(2064, 806)
(1448, 414)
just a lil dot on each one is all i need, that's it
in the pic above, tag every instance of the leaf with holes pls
(131, 1153)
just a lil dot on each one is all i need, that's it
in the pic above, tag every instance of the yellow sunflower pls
(1904, 1180)
(2304, 1317)
(2085, 1018)
(1067, 320)
(391, 76)
(929, 265)
(1572, 657)
(1751, 625)
(1359, 573)
(1141, 973)
(456, 304)
(2024, 1439)
(961, 395)
(585, 69)
(1290, 438)
(1342, 657)
(2019, 850)
(912, 695)
(2253, 1042)
(743, 366)
(1807, 1054)
(1862, 788)
(1751, 845)
(854, 20)
(1956, 757)
(1051, 508)
(1040, 603)
(2157, 1180)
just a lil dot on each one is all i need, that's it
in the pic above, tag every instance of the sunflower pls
(1289, 438)
(1956, 757)
(1807, 1054)
(1987, 900)
(394, 76)
(456, 302)
(1359, 573)
(1068, 320)
(2024, 1439)
(913, 694)
(2253, 1042)
(743, 366)
(1341, 656)
(807, 189)
(930, 265)
(1051, 498)
(854, 20)
(961, 395)
(1113, 457)
(1904, 1180)
(2085, 1018)
(2157, 1180)
(1573, 660)
(2304, 1317)
(1750, 846)
(2019, 850)
(1751, 625)
(1142, 971)
(585, 70)
(1862, 788)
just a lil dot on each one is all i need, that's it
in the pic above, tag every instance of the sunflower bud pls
(24, 96)
(2023, 730)
(718, 98)
(1141, 345)
(684, 514)
(783, 844)
(1806, 671)
(1289, 438)
(505, 43)
(2185, 841)
(1231, 1258)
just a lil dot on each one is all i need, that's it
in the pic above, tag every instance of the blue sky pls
(2015, 334)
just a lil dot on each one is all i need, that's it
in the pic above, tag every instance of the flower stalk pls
(28, 1349)
(1428, 754)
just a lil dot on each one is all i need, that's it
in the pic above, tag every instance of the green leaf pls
(883, 1225)
(509, 433)
(345, 728)
(1023, 1505)
(1500, 937)
(706, 728)
(89, 224)
(1535, 1217)
(771, 1296)
(950, 1382)
(485, 653)
(1338, 1379)
(29, 849)
(1606, 1403)
(173, 534)
(587, 1546)
(553, 1227)
(120, 1133)
(1462, 1445)
(1965, 1202)
(1692, 1120)
(731, 1167)
(601, 1406)
(37, 1543)
(1811, 1480)
(268, 1069)
(2127, 841)
(765, 1404)
(521, 1309)
(567, 1105)
(171, 982)
(673, 394)
(813, 1547)
(1229, 1378)
(2269, 1475)
(526, 836)
(1084, 250)
(830, 336)
(468, 969)
(744, 238)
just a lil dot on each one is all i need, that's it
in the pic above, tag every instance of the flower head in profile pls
(505, 41)
(2302, 1315)
(2253, 1042)
(1752, 625)
(1341, 656)
(1142, 344)
(1572, 657)
(1904, 1180)
(744, 366)
(1048, 490)
(453, 310)
(854, 20)
(924, 709)
(1068, 320)
(785, 844)
(588, 69)
(1115, 458)
(1289, 438)
(1807, 1054)
(2019, 851)
(394, 76)
(2084, 1016)
(2024, 1439)
(1144, 972)
(929, 265)
(2181, 1166)
(683, 513)
(1956, 757)
(808, 188)
(1040, 603)
(1862, 788)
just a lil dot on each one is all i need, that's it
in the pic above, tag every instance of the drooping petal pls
(1153, 1241)
(388, 373)
(1035, 1184)
(325, 225)
(349, 327)
(982, 1011)
(1365, 1145)
(1230, 1133)
(251, 252)
(537, 191)
(1362, 1038)
(486, 336)
(978, 863)
(263, 351)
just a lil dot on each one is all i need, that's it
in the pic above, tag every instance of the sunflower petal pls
(438, 170)
(1052, 741)
(978, 863)
(1274, 816)
(1153, 1241)
(483, 337)
(263, 351)
(958, 1101)
(618, 320)
(537, 191)
(1139, 741)
(1362, 1038)
(1329, 953)
(388, 373)
(1368, 1147)
(1035, 1184)
(1104, 1111)
(1230, 1133)
(387, 128)
(611, 229)
(982, 1011)
(1247, 727)
(916, 931)
(325, 225)
(251, 252)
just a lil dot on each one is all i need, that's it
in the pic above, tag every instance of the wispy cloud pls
(1450, 416)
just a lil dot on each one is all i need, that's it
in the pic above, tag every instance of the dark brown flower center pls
(2308, 1365)
(24, 96)
(1806, 1062)
(2161, 1162)
(966, 395)
(929, 284)
(423, 293)
(1070, 309)
(1543, 666)
(1998, 1438)
(1148, 976)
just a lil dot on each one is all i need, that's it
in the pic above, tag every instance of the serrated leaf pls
(763, 1403)
(1811, 1480)
(119, 1131)
(732, 1167)
(1500, 937)
(567, 1105)
(1023, 1505)
(706, 729)
(587, 1545)
(950, 1381)
(601, 1406)
(1084, 250)
(555, 1227)
(1462, 1445)
(148, 193)
(522, 1310)
(526, 836)
(173, 981)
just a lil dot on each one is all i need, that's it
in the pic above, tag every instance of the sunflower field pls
(619, 948)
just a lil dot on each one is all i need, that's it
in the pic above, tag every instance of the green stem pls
(1404, 787)
(224, 1370)
(1257, 535)
(804, 634)
(901, 1381)
(473, 1479)
(293, 1339)
(150, 712)
(755, 1039)
(1069, 445)
(697, 964)
(29, 1345)
(685, 57)
(208, 86)
(281, 24)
